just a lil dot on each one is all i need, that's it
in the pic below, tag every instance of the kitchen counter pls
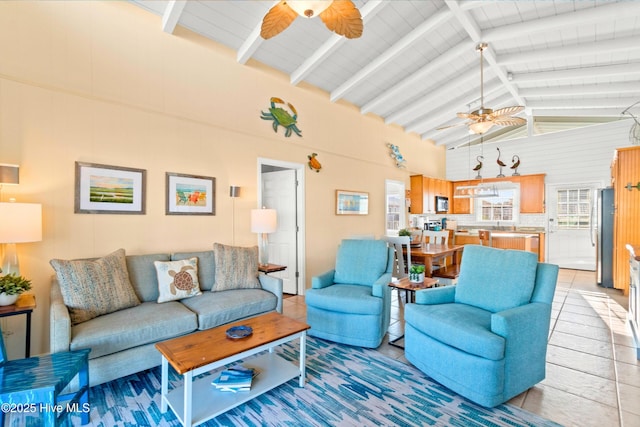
(521, 240)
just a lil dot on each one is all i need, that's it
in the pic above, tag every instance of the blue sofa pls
(486, 338)
(351, 304)
(123, 342)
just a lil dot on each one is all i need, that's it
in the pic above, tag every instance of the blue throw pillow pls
(496, 279)
(360, 262)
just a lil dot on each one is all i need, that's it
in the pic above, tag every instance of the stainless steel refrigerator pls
(604, 237)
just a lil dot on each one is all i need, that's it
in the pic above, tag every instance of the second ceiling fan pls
(483, 119)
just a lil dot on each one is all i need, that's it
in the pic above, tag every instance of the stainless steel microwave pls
(442, 204)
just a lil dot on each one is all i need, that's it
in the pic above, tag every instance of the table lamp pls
(263, 221)
(19, 223)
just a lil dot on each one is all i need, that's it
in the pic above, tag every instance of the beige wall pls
(100, 82)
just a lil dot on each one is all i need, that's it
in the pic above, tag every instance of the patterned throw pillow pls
(91, 288)
(236, 267)
(177, 279)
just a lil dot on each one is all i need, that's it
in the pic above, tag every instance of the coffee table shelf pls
(208, 402)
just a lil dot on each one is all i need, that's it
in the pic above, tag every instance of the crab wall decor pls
(282, 117)
(395, 155)
(313, 163)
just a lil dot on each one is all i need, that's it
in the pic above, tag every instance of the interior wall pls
(100, 82)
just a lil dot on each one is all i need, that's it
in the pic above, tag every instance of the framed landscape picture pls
(352, 203)
(104, 189)
(190, 194)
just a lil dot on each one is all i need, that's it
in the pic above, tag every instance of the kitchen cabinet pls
(423, 193)
(531, 242)
(634, 294)
(625, 169)
(531, 193)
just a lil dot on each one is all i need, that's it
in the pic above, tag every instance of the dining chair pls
(437, 238)
(417, 236)
(485, 237)
(402, 261)
(37, 383)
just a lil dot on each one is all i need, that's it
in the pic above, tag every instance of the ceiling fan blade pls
(343, 18)
(277, 20)
(507, 111)
(508, 121)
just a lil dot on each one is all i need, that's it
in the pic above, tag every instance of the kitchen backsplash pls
(526, 220)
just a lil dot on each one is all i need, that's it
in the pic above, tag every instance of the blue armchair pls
(352, 303)
(486, 338)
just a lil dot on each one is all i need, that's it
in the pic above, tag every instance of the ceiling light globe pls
(309, 9)
(480, 127)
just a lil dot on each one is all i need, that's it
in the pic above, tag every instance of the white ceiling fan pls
(483, 119)
(340, 16)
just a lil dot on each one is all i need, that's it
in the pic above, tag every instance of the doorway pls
(571, 215)
(281, 187)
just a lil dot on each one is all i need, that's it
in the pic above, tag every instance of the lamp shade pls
(263, 220)
(480, 127)
(20, 222)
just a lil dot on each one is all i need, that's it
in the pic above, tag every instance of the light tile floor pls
(593, 376)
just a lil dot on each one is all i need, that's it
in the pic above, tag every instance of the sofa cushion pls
(353, 299)
(177, 279)
(91, 288)
(360, 262)
(206, 266)
(143, 275)
(496, 279)
(217, 308)
(236, 267)
(149, 322)
(464, 327)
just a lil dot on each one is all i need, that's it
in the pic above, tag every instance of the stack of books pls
(237, 378)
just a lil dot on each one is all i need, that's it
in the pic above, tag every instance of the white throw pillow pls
(177, 279)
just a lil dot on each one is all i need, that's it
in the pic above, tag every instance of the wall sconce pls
(264, 221)
(9, 174)
(234, 193)
(19, 223)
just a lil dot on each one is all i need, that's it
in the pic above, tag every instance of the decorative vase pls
(8, 299)
(416, 277)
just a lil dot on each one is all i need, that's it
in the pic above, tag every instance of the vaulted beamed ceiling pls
(569, 63)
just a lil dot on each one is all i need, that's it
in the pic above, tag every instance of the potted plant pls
(416, 273)
(404, 232)
(11, 286)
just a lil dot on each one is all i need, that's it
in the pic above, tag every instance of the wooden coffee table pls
(195, 402)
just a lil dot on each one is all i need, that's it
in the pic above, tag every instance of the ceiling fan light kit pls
(308, 9)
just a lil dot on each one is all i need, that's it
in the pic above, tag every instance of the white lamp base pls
(264, 249)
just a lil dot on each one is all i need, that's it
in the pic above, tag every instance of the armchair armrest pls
(380, 285)
(323, 280)
(442, 295)
(273, 285)
(59, 321)
(526, 326)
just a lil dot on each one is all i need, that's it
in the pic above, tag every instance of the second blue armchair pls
(351, 304)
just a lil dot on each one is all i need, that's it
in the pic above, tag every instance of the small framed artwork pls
(190, 194)
(352, 203)
(104, 189)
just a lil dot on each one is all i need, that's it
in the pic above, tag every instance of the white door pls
(570, 238)
(279, 193)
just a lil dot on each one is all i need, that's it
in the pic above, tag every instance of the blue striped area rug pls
(346, 386)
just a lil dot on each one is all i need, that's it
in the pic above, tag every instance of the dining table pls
(427, 253)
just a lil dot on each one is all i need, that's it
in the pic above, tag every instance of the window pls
(574, 209)
(504, 207)
(395, 206)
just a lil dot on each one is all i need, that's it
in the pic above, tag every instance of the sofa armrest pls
(59, 321)
(523, 327)
(442, 295)
(323, 280)
(380, 285)
(273, 285)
